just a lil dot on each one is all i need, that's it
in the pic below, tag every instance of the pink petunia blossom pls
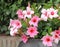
(34, 21)
(28, 12)
(32, 31)
(15, 23)
(20, 14)
(13, 31)
(47, 40)
(44, 14)
(53, 13)
(24, 38)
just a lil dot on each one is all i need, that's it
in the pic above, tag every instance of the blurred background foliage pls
(8, 10)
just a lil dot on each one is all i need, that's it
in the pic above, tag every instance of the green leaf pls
(44, 33)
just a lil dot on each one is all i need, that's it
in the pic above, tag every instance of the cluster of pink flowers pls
(55, 37)
(49, 13)
(33, 24)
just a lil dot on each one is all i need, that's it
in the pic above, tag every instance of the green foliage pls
(8, 10)
(47, 27)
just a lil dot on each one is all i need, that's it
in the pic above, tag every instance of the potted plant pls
(36, 31)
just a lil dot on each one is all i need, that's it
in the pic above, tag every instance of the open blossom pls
(44, 14)
(53, 13)
(24, 38)
(56, 36)
(28, 12)
(32, 31)
(57, 32)
(34, 21)
(20, 14)
(13, 31)
(47, 40)
(15, 23)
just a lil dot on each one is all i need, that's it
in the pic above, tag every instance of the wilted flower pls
(13, 31)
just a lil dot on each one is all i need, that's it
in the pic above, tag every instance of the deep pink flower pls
(44, 14)
(28, 12)
(32, 31)
(34, 21)
(47, 40)
(15, 23)
(24, 38)
(53, 13)
(20, 14)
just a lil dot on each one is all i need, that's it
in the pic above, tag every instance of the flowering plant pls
(28, 25)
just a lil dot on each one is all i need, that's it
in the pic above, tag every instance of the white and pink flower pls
(28, 12)
(24, 38)
(44, 14)
(47, 40)
(20, 14)
(13, 31)
(56, 36)
(53, 13)
(32, 31)
(34, 21)
(15, 23)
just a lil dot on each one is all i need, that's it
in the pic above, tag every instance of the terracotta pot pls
(34, 43)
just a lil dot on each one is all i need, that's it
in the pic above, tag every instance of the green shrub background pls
(8, 10)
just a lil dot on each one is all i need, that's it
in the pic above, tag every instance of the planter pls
(34, 43)
(8, 41)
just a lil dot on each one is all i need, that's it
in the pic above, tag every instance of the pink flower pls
(20, 14)
(44, 14)
(32, 31)
(56, 36)
(28, 12)
(47, 40)
(34, 21)
(24, 38)
(57, 32)
(15, 23)
(13, 31)
(53, 13)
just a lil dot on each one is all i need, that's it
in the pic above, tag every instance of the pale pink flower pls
(32, 31)
(20, 14)
(28, 12)
(47, 40)
(53, 13)
(15, 23)
(34, 21)
(24, 38)
(44, 14)
(13, 31)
